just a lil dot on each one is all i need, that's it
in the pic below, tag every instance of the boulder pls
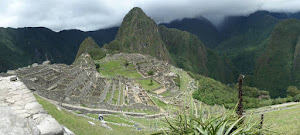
(67, 131)
(92, 123)
(32, 105)
(49, 126)
(11, 72)
(46, 62)
(13, 78)
(34, 64)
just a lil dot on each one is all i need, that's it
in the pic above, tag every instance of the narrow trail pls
(273, 108)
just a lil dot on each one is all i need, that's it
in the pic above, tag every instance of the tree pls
(126, 63)
(292, 91)
(296, 98)
(151, 82)
(97, 65)
(150, 73)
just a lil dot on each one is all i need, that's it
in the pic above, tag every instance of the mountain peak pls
(136, 10)
(139, 33)
(91, 47)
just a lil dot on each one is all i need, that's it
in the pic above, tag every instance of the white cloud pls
(95, 14)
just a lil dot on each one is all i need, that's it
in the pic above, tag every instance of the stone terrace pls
(81, 84)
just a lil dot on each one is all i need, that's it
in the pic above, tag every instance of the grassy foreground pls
(80, 126)
(285, 121)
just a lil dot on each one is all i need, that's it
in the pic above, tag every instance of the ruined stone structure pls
(146, 63)
(81, 84)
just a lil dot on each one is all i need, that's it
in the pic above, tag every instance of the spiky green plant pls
(197, 121)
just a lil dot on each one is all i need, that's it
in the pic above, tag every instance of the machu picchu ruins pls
(80, 84)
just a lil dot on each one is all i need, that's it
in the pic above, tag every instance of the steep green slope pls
(241, 38)
(189, 53)
(278, 66)
(220, 67)
(24, 46)
(214, 92)
(200, 27)
(244, 39)
(139, 33)
(92, 48)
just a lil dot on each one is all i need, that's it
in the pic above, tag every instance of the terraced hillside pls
(158, 78)
(118, 82)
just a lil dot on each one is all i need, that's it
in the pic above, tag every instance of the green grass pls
(79, 125)
(113, 68)
(115, 97)
(184, 78)
(112, 118)
(283, 121)
(148, 122)
(165, 94)
(111, 65)
(146, 84)
(160, 103)
(121, 96)
(108, 96)
(140, 111)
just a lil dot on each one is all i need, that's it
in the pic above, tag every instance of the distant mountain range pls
(264, 46)
(24, 46)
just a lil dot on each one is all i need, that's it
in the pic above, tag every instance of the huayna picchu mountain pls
(140, 34)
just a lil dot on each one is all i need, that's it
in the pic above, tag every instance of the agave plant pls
(196, 121)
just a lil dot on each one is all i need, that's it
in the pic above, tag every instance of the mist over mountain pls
(255, 44)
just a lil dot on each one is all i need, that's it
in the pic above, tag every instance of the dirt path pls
(277, 107)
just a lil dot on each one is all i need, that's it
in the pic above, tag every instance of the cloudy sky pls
(98, 14)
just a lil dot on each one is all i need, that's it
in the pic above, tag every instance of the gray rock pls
(46, 62)
(32, 105)
(49, 126)
(10, 72)
(34, 64)
(9, 121)
(92, 123)
(13, 78)
(67, 131)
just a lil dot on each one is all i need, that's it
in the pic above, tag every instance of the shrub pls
(97, 65)
(297, 98)
(150, 73)
(278, 101)
(289, 99)
(292, 91)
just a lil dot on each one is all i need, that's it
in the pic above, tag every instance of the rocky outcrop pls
(21, 113)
